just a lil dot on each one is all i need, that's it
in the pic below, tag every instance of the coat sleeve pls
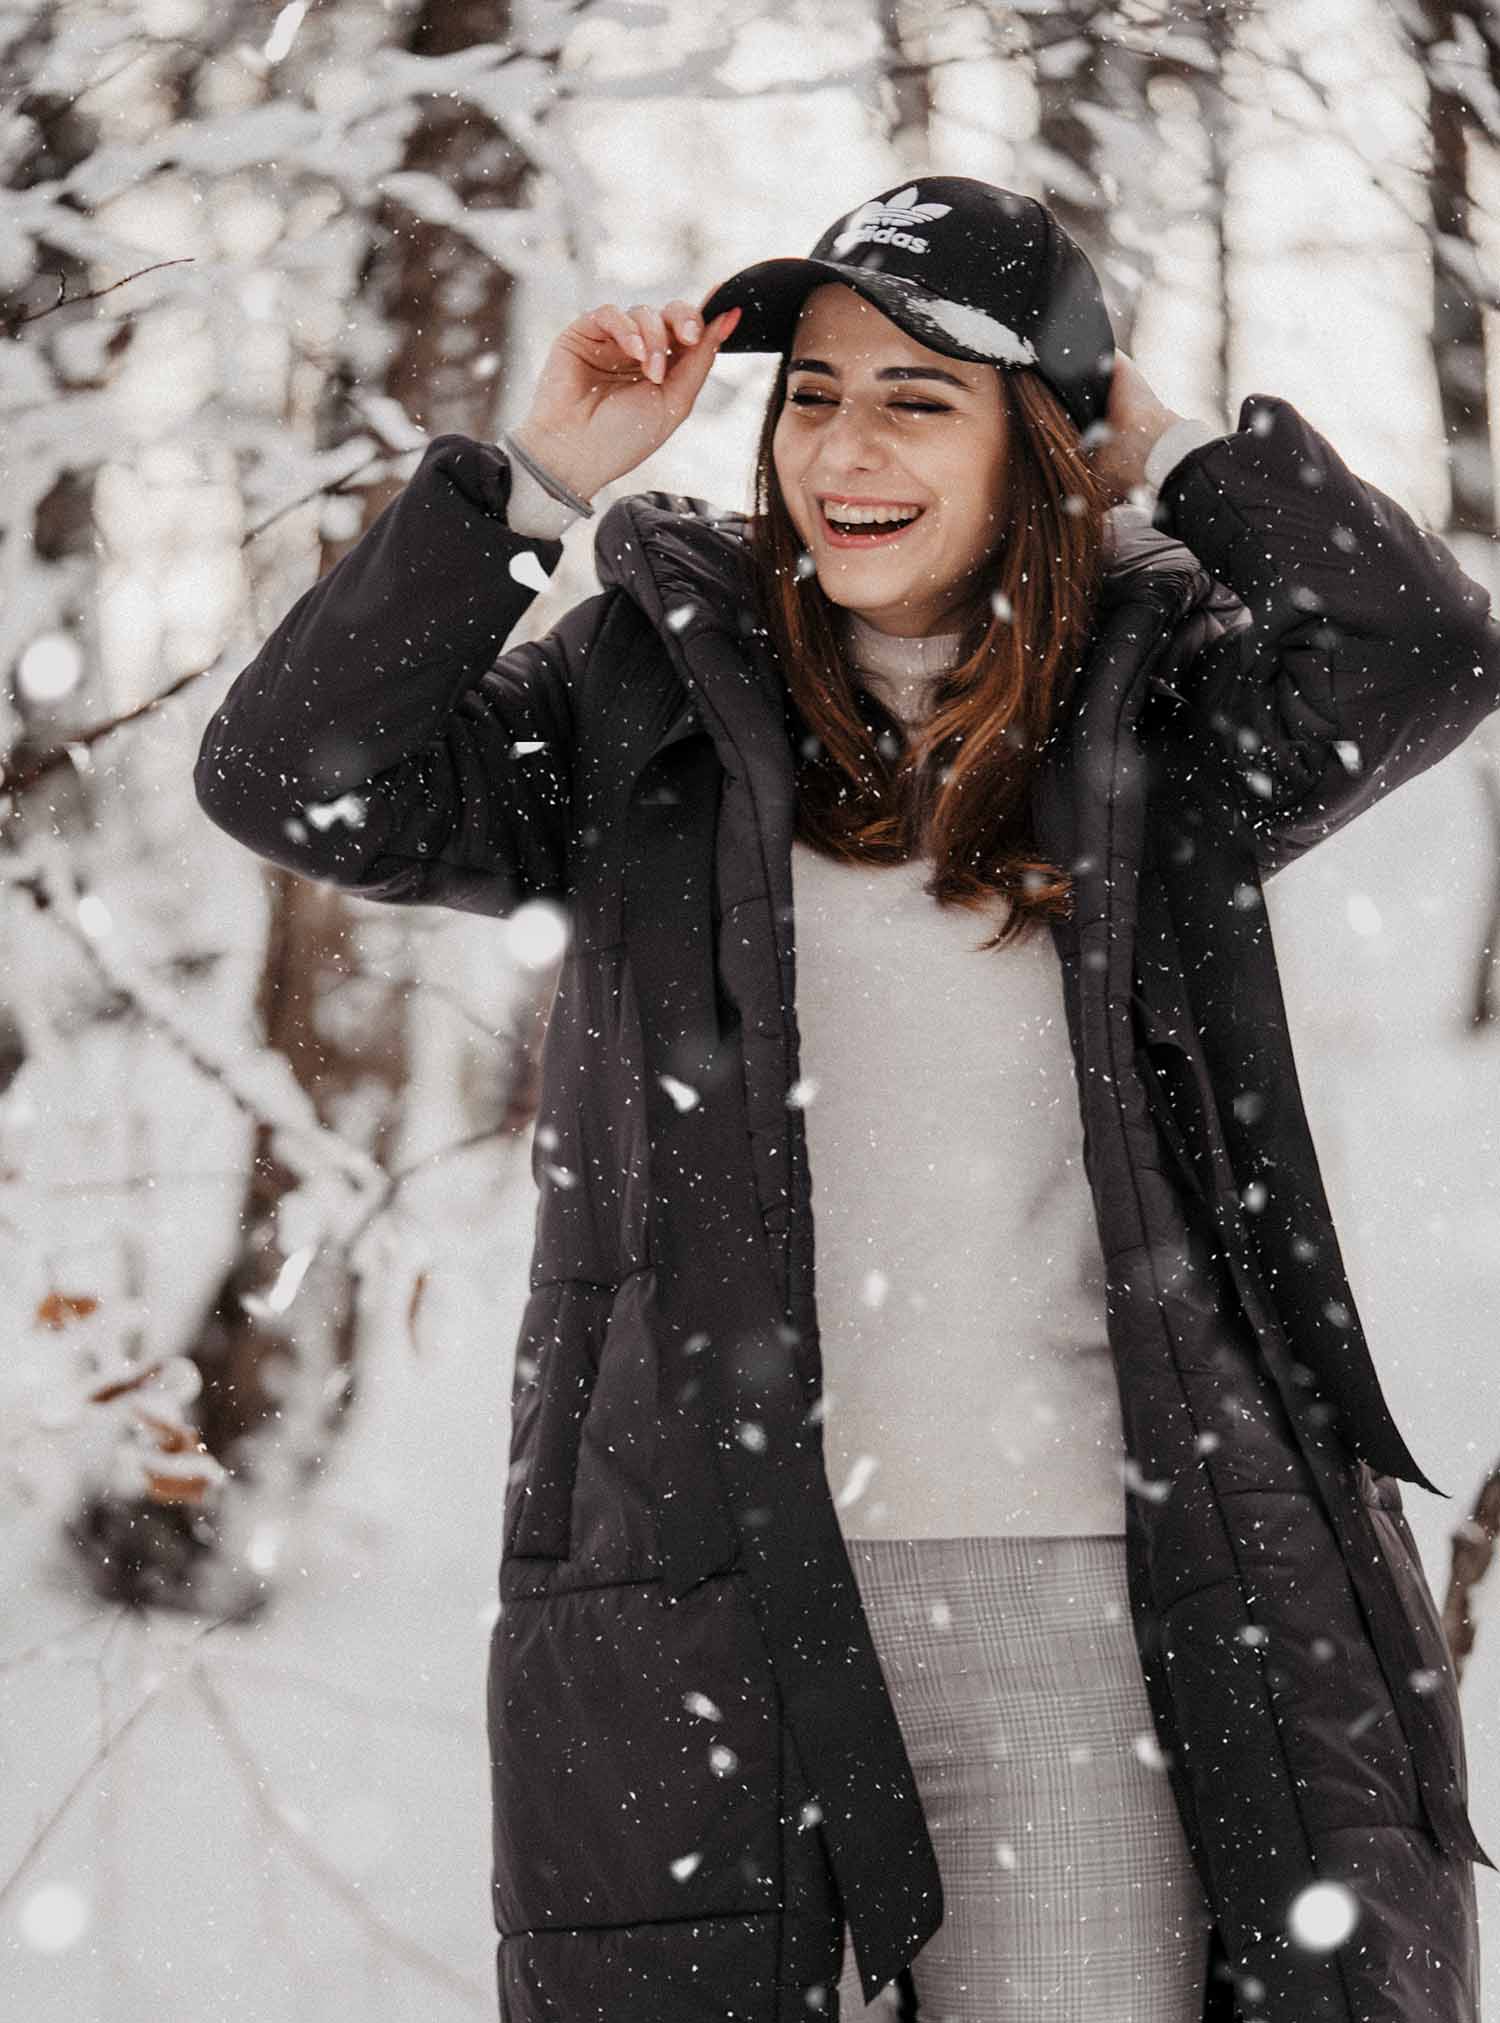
(1369, 653)
(376, 741)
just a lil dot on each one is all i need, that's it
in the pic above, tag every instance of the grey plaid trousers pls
(1069, 1893)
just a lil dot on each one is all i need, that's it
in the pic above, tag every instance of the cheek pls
(980, 488)
(786, 477)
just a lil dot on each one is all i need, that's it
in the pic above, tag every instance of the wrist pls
(555, 458)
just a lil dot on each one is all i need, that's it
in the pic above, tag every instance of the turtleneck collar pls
(901, 671)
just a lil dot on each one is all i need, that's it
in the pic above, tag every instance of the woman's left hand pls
(1132, 424)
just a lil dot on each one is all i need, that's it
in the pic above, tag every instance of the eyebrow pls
(885, 372)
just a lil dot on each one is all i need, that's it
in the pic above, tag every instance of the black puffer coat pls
(697, 1768)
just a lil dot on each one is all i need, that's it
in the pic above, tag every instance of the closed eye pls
(917, 406)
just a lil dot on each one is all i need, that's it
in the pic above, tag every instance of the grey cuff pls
(1173, 445)
(532, 509)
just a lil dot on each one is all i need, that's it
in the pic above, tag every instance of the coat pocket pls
(635, 1748)
(557, 1363)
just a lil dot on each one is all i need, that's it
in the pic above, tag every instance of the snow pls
(278, 1808)
(975, 328)
(285, 1817)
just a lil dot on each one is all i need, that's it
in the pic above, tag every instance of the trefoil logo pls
(885, 224)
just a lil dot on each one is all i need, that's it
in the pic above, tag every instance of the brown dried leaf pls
(121, 1385)
(177, 1488)
(58, 1308)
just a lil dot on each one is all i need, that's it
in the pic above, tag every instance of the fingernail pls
(657, 364)
(690, 328)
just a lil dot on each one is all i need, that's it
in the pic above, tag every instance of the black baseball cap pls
(964, 267)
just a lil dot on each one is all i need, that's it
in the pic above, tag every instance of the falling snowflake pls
(873, 1288)
(1362, 914)
(350, 808)
(536, 934)
(699, 1703)
(682, 1094)
(858, 1481)
(54, 1918)
(684, 1866)
(526, 569)
(1154, 1491)
(1149, 1751)
(1322, 1916)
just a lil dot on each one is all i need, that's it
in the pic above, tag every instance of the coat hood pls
(685, 562)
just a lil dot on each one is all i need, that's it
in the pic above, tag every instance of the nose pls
(853, 458)
(851, 440)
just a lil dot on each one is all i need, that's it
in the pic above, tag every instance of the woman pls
(1067, 1651)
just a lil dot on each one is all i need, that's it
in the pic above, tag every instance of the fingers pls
(692, 364)
(608, 322)
(655, 337)
(667, 331)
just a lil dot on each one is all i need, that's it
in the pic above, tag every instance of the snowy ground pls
(295, 1825)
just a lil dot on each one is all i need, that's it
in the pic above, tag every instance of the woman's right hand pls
(615, 385)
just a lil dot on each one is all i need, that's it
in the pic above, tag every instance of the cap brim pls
(772, 292)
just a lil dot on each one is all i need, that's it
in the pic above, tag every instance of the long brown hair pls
(957, 786)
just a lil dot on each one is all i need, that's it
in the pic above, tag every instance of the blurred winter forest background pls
(265, 1198)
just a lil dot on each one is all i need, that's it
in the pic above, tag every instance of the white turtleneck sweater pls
(969, 1387)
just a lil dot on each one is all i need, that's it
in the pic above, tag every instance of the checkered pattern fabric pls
(1068, 1889)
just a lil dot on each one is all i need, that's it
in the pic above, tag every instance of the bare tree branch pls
(1473, 1551)
(277, 1818)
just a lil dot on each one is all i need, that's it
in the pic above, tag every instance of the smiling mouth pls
(875, 534)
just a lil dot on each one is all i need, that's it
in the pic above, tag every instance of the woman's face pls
(874, 417)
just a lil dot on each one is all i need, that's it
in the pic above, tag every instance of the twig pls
(312, 1857)
(30, 1654)
(20, 779)
(63, 301)
(106, 1749)
(387, 1707)
(1473, 1550)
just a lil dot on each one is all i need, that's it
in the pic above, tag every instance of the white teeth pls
(870, 516)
